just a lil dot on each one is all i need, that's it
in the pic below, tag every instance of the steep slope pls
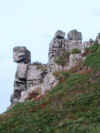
(73, 106)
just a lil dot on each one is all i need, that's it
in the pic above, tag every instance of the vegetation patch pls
(76, 51)
(61, 75)
(62, 58)
(93, 58)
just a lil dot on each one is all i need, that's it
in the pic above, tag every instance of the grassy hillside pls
(73, 106)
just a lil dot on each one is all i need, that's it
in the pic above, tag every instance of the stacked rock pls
(22, 57)
(60, 43)
(56, 43)
(74, 35)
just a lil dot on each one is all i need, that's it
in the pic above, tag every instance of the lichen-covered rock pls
(74, 35)
(21, 54)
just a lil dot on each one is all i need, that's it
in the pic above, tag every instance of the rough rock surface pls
(74, 35)
(36, 78)
(98, 38)
(21, 54)
(74, 59)
(22, 57)
(21, 71)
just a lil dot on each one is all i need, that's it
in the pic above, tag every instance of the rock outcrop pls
(23, 58)
(98, 38)
(74, 35)
(36, 78)
(21, 55)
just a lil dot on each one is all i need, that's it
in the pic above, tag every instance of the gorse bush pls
(61, 60)
(61, 75)
(93, 58)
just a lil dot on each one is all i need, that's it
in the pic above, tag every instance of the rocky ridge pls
(37, 78)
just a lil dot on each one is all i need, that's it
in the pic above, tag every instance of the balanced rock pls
(74, 35)
(60, 34)
(21, 54)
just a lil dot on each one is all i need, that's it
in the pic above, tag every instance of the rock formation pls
(98, 38)
(23, 58)
(36, 78)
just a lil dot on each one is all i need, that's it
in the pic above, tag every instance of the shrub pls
(93, 61)
(61, 75)
(76, 51)
(79, 66)
(41, 66)
(62, 58)
(93, 48)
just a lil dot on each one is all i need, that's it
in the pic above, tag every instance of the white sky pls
(32, 23)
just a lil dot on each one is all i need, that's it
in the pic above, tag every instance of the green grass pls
(73, 106)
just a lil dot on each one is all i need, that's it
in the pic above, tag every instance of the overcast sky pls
(32, 23)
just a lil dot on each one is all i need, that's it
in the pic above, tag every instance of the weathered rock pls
(21, 71)
(59, 34)
(19, 85)
(21, 54)
(34, 74)
(72, 44)
(98, 38)
(57, 43)
(74, 35)
(23, 57)
(14, 98)
(48, 83)
(74, 59)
